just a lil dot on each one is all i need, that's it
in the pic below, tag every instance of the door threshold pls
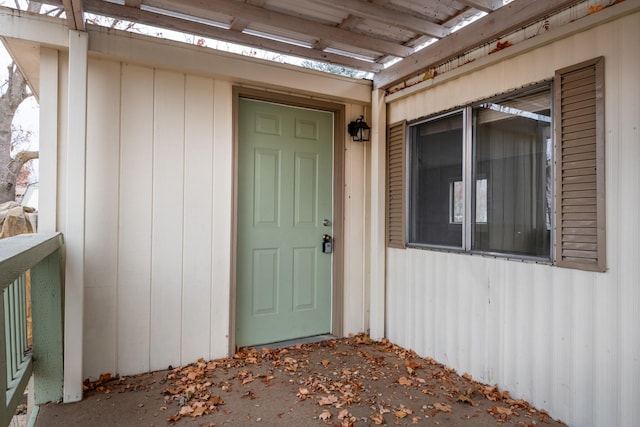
(296, 341)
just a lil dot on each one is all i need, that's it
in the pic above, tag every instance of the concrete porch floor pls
(338, 382)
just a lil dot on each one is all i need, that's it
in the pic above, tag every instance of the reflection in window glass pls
(436, 161)
(511, 151)
(481, 201)
(457, 201)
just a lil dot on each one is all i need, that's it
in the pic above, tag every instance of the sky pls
(28, 114)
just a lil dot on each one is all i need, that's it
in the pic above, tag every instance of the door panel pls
(304, 278)
(285, 182)
(266, 189)
(306, 186)
(264, 285)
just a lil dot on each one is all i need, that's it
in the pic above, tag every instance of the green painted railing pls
(39, 253)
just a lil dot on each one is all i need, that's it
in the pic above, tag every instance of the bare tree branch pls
(20, 159)
(14, 91)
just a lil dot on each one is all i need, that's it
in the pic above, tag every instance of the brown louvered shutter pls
(580, 179)
(396, 142)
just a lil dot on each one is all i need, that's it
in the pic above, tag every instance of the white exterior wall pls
(159, 197)
(154, 286)
(566, 340)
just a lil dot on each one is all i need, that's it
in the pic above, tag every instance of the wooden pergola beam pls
(491, 27)
(133, 3)
(482, 5)
(75, 14)
(274, 19)
(159, 20)
(385, 15)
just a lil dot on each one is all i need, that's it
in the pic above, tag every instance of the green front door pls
(285, 181)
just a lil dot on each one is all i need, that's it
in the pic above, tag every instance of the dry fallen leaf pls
(185, 410)
(198, 411)
(248, 380)
(405, 381)
(400, 414)
(465, 399)
(303, 393)
(104, 378)
(413, 364)
(325, 415)
(443, 407)
(329, 400)
(377, 419)
(499, 410)
(334, 382)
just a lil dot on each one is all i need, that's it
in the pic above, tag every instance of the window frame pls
(468, 158)
(465, 111)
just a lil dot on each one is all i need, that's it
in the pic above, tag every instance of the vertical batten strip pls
(224, 202)
(48, 136)
(134, 225)
(168, 219)
(378, 251)
(75, 215)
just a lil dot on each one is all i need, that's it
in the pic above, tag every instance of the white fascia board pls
(583, 24)
(239, 69)
(41, 29)
(146, 50)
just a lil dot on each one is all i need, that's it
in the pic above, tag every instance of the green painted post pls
(47, 314)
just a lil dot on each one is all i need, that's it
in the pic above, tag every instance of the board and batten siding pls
(158, 218)
(151, 288)
(566, 340)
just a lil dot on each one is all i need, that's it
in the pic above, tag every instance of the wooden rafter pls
(389, 16)
(280, 20)
(239, 24)
(75, 14)
(365, 39)
(346, 23)
(482, 5)
(133, 3)
(151, 18)
(498, 23)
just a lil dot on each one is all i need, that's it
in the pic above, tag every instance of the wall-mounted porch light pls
(359, 129)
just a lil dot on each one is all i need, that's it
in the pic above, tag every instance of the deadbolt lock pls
(327, 244)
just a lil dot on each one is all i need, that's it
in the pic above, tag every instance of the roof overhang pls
(358, 34)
